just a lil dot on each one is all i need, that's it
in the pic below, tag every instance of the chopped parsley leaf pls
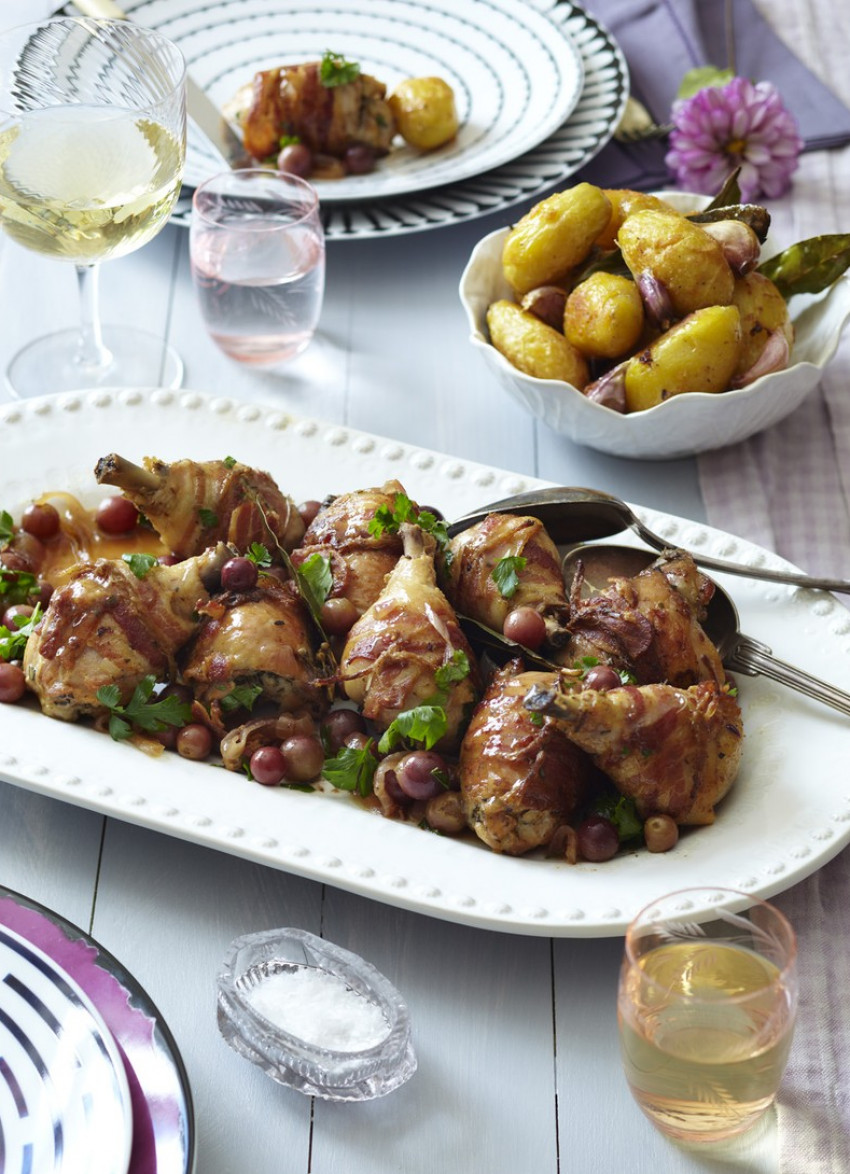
(334, 70)
(141, 711)
(505, 574)
(139, 564)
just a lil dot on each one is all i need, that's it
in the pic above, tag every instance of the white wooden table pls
(516, 1036)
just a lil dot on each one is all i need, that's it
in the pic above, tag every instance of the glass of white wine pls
(706, 1008)
(92, 149)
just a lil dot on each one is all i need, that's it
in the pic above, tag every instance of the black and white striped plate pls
(64, 1097)
(516, 76)
(540, 84)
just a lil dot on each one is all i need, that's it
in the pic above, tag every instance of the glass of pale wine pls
(92, 149)
(706, 1007)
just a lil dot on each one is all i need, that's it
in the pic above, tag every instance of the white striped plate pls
(540, 85)
(64, 1097)
(515, 74)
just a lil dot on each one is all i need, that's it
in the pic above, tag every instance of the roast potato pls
(763, 310)
(700, 353)
(533, 347)
(623, 203)
(425, 112)
(688, 262)
(555, 236)
(603, 316)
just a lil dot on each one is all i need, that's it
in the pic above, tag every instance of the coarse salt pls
(318, 1008)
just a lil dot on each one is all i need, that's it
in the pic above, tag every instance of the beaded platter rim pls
(774, 829)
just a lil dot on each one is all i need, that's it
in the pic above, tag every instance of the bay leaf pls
(809, 266)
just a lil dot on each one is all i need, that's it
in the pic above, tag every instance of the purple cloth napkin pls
(663, 39)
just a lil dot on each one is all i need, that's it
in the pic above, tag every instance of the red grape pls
(194, 741)
(359, 160)
(304, 756)
(338, 615)
(41, 520)
(420, 773)
(602, 678)
(12, 682)
(295, 159)
(238, 574)
(526, 626)
(268, 766)
(597, 838)
(308, 511)
(16, 609)
(116, 515)
(338, 724)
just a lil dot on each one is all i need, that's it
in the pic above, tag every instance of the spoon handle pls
(754, 658)
(794, 578)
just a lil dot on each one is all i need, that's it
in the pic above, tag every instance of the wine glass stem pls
(92, 355)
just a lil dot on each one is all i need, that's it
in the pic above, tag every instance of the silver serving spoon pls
(738, 652)
(574, 514)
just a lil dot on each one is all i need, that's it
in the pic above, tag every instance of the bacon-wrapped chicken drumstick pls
(521, 777)
(395, 651)
(107, 626)
(674, 751)
(194, 504)
(360, 560)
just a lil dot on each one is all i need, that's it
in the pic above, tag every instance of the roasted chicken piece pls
(649, 625)
(360, 561)
(520, 778)
(262, 636)
(194, 504)
(674, 751)
(395, 651)
(106, 626)
(293, 100)
(537, 582)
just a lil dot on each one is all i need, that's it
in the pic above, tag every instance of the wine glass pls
(706, 1007)
(92, 148)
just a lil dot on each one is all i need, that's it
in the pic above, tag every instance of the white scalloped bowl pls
(684, 425)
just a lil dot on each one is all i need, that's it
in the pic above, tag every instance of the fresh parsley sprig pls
(506, 572)
(389, 519)
(259, 555)
(16, 586)
(139, 564)
(141, 711)
(425, 723)
(7, 526)
(240, 697)
(352, 769)
(315, 580)
(12, 644)
(334, 70)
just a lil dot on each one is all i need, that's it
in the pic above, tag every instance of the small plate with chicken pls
(199, 594)
(514, 74)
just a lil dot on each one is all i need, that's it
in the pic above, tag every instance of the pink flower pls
(736, 125)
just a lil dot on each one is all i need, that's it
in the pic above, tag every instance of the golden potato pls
(623, 203)
(688, 262)
(700, 353)
(425, 112)
(603, 316)
(763, 310)
(554, 237)
(533, 347)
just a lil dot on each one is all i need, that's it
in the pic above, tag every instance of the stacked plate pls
(64, 1096)
(90, 1079)
(539, 85)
